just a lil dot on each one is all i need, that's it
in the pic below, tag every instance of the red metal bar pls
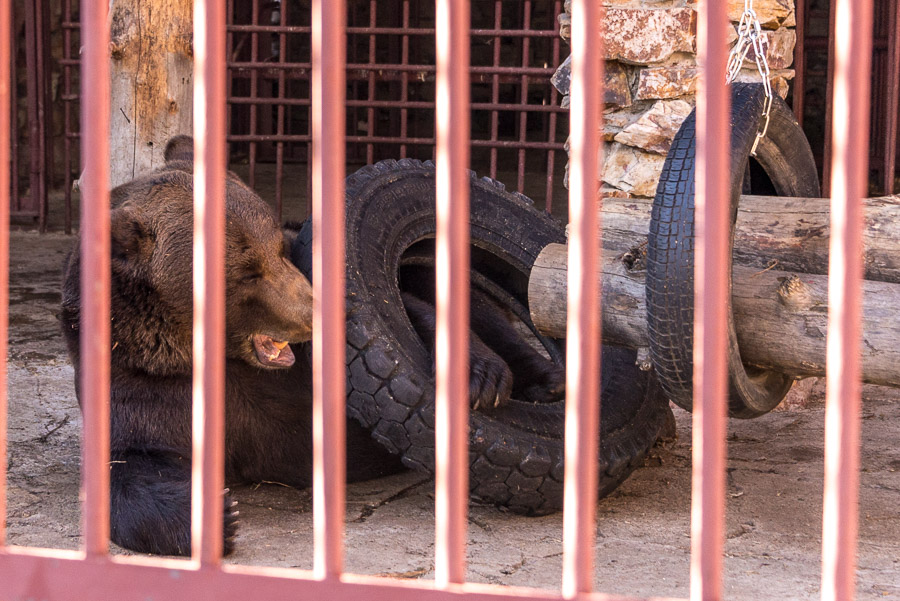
(893, 99)
(711, 293)
(63, 576)
(583, 318)
(452, 290)
(329, 336)
(208, 477)
(95, 278)
(5, 85)
(849, 183)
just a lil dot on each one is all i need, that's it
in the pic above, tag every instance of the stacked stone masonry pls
(651, 78)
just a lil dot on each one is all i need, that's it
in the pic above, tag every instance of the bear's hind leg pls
(150, 502)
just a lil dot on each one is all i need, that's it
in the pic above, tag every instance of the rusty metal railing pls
(57, 575)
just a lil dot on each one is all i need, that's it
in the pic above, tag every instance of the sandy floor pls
(642, 544)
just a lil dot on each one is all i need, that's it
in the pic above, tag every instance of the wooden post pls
(152, 82)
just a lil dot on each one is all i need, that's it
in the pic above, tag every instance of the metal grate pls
(62, 575)
(516, 120)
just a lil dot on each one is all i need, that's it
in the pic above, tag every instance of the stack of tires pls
(515, 451)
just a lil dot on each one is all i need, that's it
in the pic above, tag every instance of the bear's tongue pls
(272, 352)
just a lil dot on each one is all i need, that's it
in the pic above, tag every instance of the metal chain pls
(750, 35)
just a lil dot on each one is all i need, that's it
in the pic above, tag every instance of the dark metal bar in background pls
(282, 83)
(523, 98)
(892, 102)
(13, 110)
(67, 98)
(799, 102)
(551, 133)
(254, 93)
(495, 87)
(35, 204)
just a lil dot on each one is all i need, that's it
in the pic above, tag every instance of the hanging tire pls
(516, 450)
(785, 159)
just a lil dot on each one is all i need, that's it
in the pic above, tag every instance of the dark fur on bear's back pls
(268, 409)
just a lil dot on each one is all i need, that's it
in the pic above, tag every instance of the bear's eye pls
(251, 277)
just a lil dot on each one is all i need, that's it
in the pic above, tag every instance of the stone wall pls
(651, 78)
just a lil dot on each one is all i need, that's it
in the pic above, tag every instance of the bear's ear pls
(130, 238)
(179, 148)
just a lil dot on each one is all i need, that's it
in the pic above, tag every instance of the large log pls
(792, 233)
(151, 80)
(780, 315)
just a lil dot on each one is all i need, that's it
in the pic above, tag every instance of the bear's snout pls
(296, 301)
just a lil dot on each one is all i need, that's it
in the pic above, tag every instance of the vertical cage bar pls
(583, 310)
(893, 99)
(254, 94)
(229, 82)
(523, 99)
(35, 99)
(282, 82)
(849, 179)
(404, 80)
(551, 135)
(95, 276)
(5, 122)
(209, 282)
(14, 201)
(495, 87)
(452, 289)
(370, 90)
(329, 336)
(799, 104)
(711, 292)
(67, 114)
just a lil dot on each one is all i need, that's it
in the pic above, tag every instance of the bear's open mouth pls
(271, 352)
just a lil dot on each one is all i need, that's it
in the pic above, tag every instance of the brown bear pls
(268, 376)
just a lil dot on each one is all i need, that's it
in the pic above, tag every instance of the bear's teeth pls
(279, 345)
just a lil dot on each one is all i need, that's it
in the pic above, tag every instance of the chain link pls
(750, 35)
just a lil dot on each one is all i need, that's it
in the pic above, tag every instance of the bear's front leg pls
(490, 379)
(150, 502)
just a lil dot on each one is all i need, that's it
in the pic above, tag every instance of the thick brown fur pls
(268, 408)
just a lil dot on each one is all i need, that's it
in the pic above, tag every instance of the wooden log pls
(780, 316)
(790, 234)
(151, 73)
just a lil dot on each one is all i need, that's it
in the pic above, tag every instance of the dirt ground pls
(642, 538)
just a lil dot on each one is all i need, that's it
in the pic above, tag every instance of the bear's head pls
(268, 301)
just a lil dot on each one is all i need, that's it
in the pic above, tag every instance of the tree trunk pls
(780, 316)
(151, 82)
